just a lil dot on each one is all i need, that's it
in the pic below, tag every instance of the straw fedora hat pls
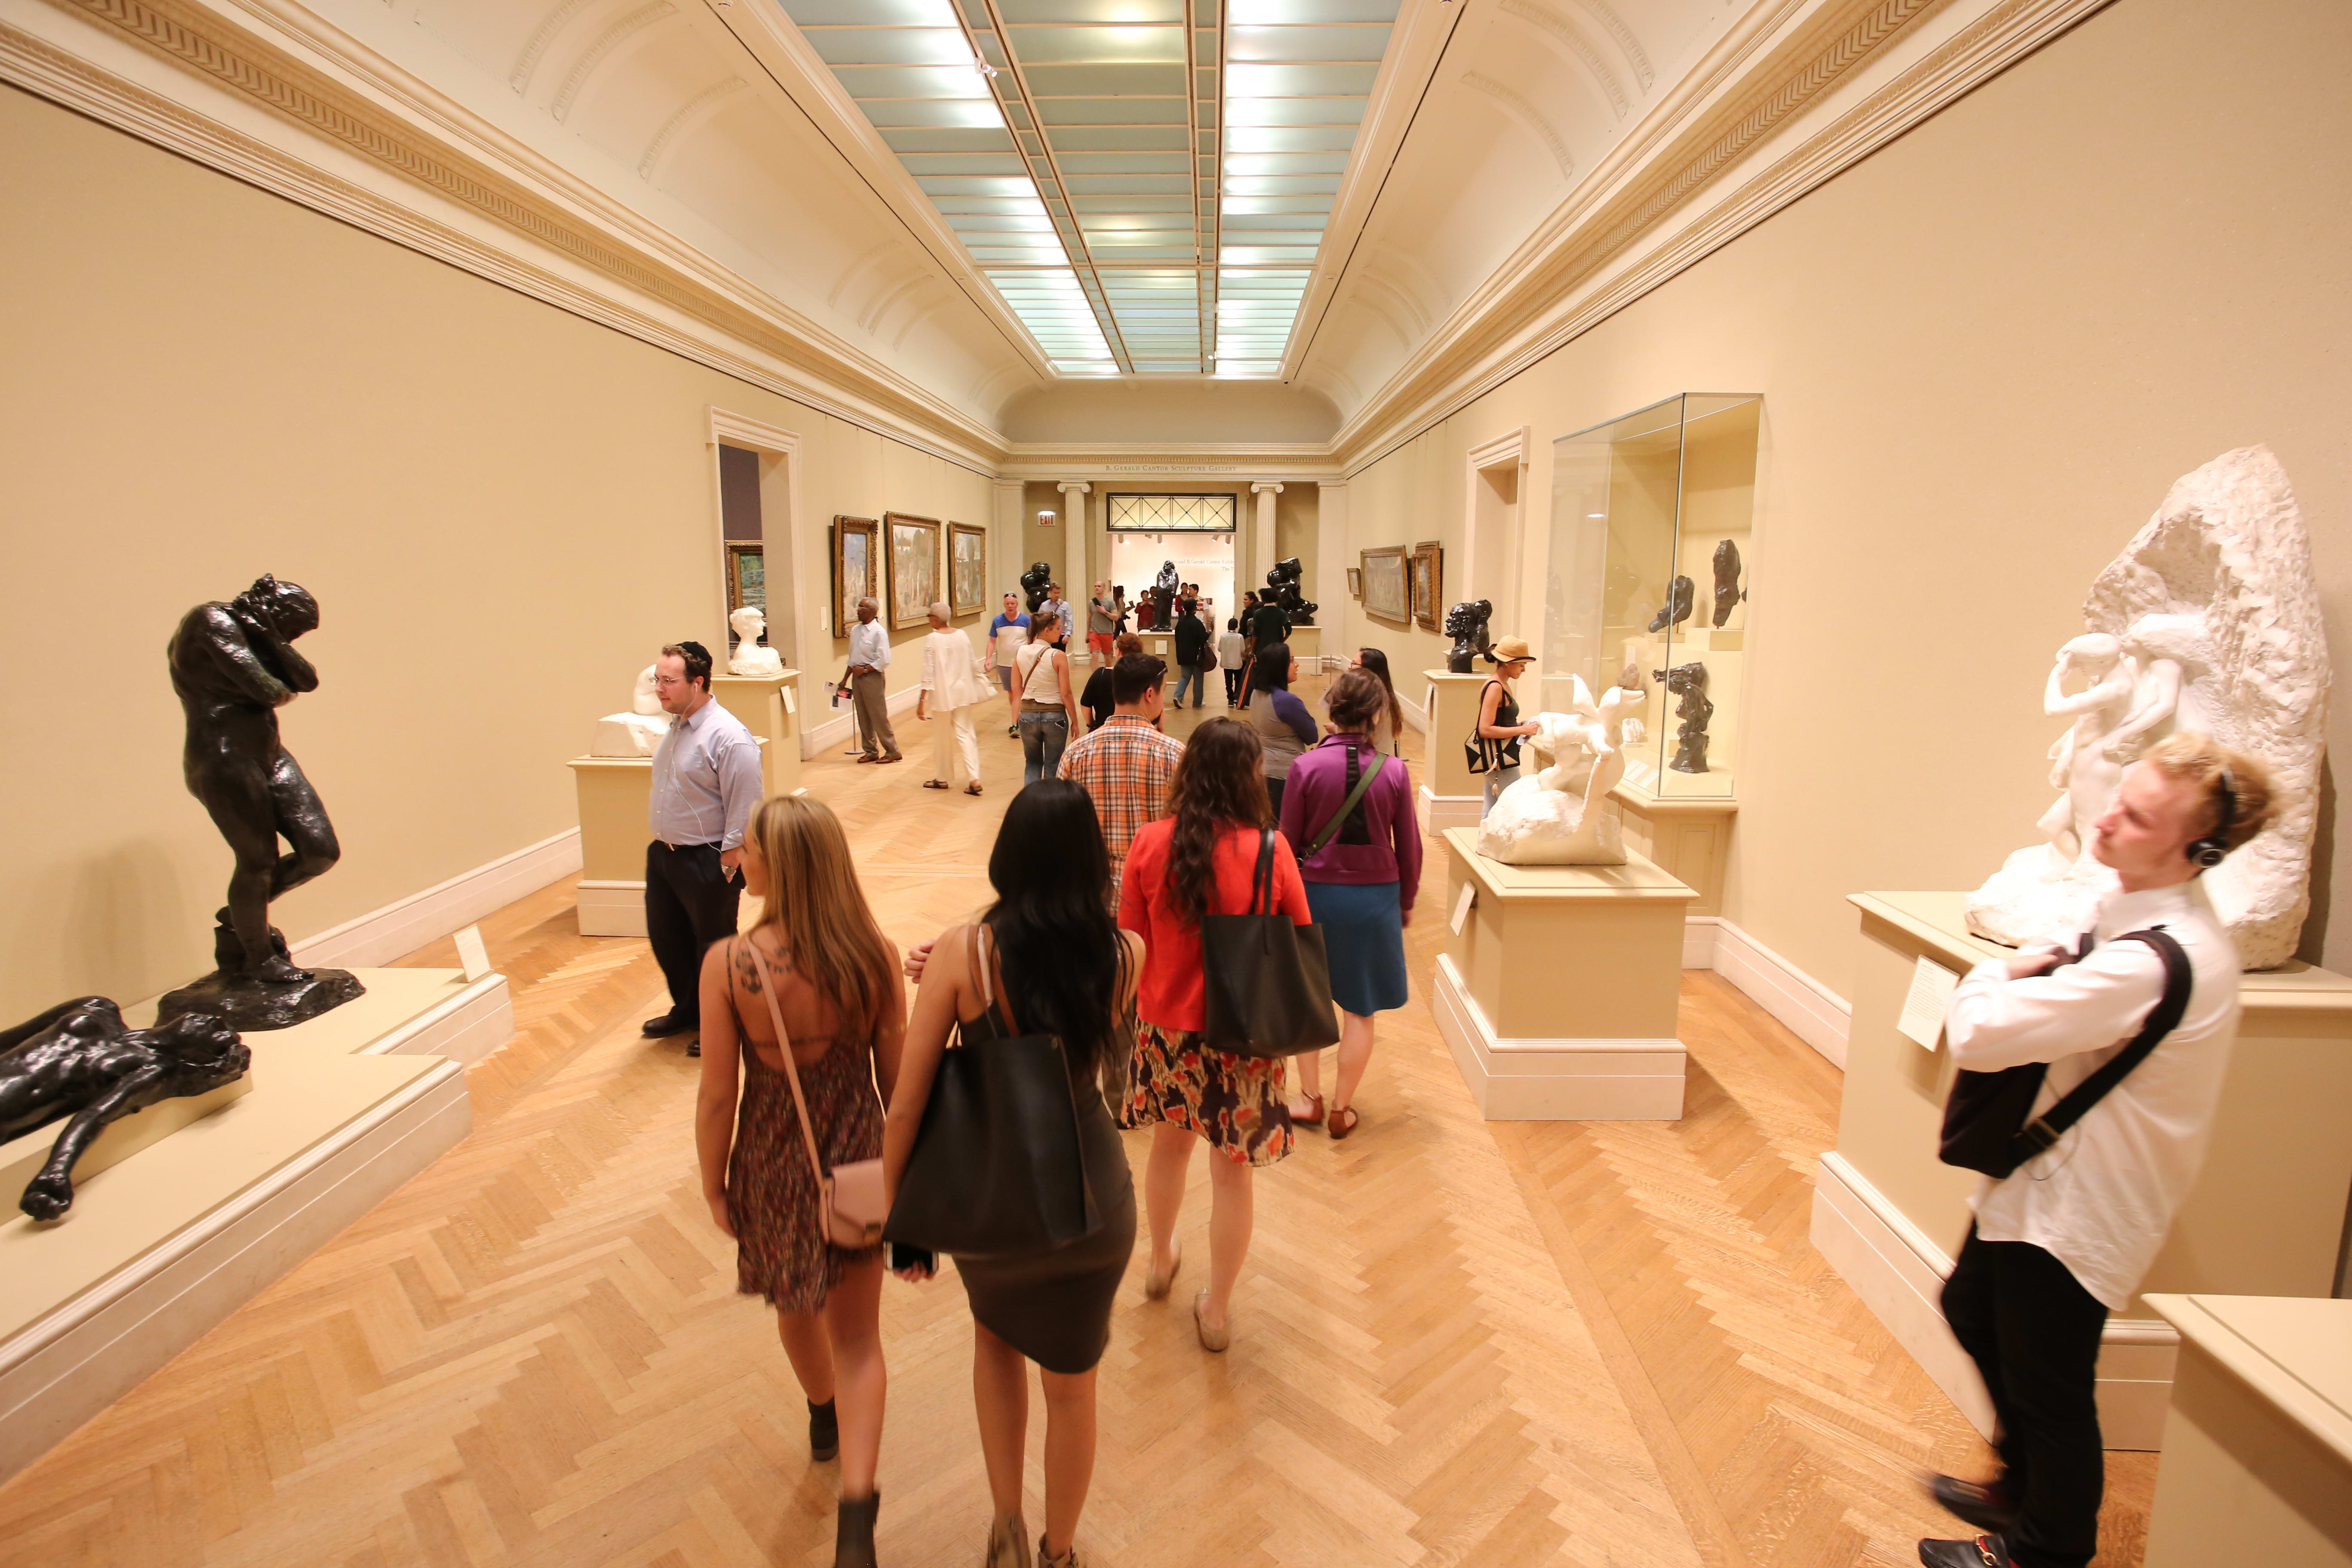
(1508, 651)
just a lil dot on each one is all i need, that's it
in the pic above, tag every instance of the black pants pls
(2034, 1332)
(1232, 686)
(690, 904)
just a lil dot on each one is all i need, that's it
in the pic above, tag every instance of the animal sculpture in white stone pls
(2215, 620)
(637, 733)
(750, 624)
(1554, 816)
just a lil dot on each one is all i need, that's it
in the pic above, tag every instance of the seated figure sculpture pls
(1283, 580)
(80, 1061)
(1036, 581)
(1554, 816)
(750, 624)
(637, 733)
(1465, 623)
(1688, 682)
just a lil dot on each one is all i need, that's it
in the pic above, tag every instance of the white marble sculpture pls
(750, 624)
(1554, 816)
(637, 733)
(2208, 621)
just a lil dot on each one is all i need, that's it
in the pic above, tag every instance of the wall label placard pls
(1932, 985)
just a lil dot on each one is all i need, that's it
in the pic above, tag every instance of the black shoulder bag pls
(1988, 1121)
(1477, 750)
(1267, 982)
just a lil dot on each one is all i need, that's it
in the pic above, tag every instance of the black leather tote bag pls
(1268, 982)
(1988, 1121)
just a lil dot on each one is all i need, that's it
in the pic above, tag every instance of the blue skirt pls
(1363, 936)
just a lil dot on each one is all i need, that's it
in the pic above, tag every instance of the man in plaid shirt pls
(1127, 764)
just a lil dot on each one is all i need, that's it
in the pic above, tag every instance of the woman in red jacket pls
(1199, 859)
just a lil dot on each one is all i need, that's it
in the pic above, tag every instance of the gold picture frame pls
(912, 544)
(1426, 575)
(856, 568)
(1385, 593)
(966, 568)
(747, 574)
(1355, 582)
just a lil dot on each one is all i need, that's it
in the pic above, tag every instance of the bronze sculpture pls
(233, 667)
(1677, 607)
(1727, 580)
(80, 1061)
(1689, 681)
(1036, 580)
(1163, 595)
(1284, 581)
(1465, 623)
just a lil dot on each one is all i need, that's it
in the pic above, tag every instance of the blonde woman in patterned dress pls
(845, 1009)
(1201, 859)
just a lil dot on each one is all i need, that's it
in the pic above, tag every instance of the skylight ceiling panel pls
(1074, 46)
(1254, 111)
(811, 14)
(1132, 163)
(1086, 11)
(1271, 45)
(959, 164)
(945, 139)
(1054, 111)
(1331, 163)
(1244, 80)
(1252, 205)
(1244, 253)
(1307, 13)
(891, 45)
(1327, 139)
(889, 113)
(1122, 78)
(995, 186)
(1171, 138)
(862, 82)
(1116, 184)
(1131, 203)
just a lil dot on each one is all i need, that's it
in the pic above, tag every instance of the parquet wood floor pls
(1509, 1343)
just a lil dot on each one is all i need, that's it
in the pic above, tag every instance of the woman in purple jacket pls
(1360, 884)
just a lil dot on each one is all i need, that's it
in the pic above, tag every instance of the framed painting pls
(856, 568)
(914, 545)
(1426, 574)
(966, 568)
(1385, 593)
(1355, 582)
(747, 574)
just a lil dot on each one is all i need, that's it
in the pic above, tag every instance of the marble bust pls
(1556, 815)
(750, 624)
(637, 733)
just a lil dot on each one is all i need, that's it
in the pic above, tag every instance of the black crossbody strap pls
(1339, 820)
(1262, 880)
(2162, 1019)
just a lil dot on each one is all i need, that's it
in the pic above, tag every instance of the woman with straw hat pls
(1499, 731)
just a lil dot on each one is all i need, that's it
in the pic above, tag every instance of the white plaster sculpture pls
(2208, 621)
(1554, 816)
(637, 733)
(750, 624)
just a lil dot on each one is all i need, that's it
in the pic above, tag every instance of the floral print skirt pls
(1237, 1103)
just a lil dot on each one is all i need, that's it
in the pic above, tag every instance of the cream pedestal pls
(1306, 649)
(2258, 1447)
(1559, 994)
(2267, 1216)
(616, 797)
(1688, 839)
(1451, 794)
(171, 1237)
(768, 706)
(1160, 646)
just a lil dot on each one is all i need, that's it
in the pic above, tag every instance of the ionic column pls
(1262, 541)
(1074, 583)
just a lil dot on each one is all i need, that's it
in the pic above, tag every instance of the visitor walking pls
(1198, 859)
(1498, 731)
(1102, 621)
(1097, 699)
(1006, 633)
(1049, 941)
(1127, 764)
(1192, 652)
(869, 662)
(1389, 728)
(954, 687)
(1049, 714)
(1284, 728)
(816, 960)
(1359, 882)
(1232, 661)
(705, 785)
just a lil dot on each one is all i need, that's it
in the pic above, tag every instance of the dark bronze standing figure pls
(1036, 580)
(233, 667)
(1727, 581)
(1284, 581)
(1465, 623)
(1689, 681)
(1163, 597)
(1677, 607)
(78, 1061)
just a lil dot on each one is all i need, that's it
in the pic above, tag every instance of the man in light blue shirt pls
(706, 779)
(869, 657)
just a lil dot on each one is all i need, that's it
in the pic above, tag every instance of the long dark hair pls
(1272, 668)
(1376, 660)
(1051, 919)
(1217, 787)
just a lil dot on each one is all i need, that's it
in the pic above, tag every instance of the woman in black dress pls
(1043, 959)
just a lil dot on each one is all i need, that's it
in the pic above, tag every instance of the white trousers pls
(955, 734)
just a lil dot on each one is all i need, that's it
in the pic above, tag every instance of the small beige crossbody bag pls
(850, 1204)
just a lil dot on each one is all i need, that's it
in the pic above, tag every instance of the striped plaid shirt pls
(1126, 765)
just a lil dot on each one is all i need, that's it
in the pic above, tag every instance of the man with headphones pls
(2065, 1239)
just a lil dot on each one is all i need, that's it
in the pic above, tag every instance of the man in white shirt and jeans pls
(2067, 1237)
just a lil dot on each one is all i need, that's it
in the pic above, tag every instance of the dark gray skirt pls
(1054, 1306)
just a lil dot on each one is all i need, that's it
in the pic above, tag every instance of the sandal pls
(972, 789)
(1340, 1128)
(1314, 1120)
(935, 784)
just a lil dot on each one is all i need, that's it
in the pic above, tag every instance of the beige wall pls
(503, 510)
(1985, 353)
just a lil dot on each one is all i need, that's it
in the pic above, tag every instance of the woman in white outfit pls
(955, 683)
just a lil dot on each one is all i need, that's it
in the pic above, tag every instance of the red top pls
(1171, 993)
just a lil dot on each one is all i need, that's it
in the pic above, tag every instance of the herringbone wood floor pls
(1590, 1343)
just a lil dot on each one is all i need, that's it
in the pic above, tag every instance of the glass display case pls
(1648, 584)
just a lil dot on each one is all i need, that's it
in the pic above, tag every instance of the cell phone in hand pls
(905, 1257)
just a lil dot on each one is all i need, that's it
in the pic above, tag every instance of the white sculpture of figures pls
(637, 733)
(750, 624)
(1554, 816)
(2213, 623)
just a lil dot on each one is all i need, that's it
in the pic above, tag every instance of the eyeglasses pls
(672, 680)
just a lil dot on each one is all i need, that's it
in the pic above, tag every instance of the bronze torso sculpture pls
(233, 667)
(78, 1061)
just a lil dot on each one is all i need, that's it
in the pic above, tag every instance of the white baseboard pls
(407, 924)
(611, 909)
(1563, 1079)
(815, 738)
(1698, 940)
(1898, 1271)
(1813, 1012)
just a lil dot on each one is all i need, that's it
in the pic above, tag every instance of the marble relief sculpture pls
(233, 666)
(1677, 607)
(1556, 815)
(80, 1064)
(1727, 581)
(637, 733)
(1688, 682)
(750, 624)
(2208, 621)
(1465, 623)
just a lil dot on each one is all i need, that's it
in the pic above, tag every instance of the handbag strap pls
(981, 967)
(1340, 818)
(784, 1044)
(2053, 1124)
(1262, 880)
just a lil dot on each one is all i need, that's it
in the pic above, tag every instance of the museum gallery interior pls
(1859, 442)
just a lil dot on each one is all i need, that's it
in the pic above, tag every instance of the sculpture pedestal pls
(1690, 840)
(1307, 650)
(770, 708)
(2266, 1216)
(1559, 994)
(616, 799)
(1160, 646)
(2258, 1447)
(1451, 794)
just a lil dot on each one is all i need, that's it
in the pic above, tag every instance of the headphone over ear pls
(2214, 847)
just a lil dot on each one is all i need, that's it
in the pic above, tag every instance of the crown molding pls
(463, 191)
(1236, 463)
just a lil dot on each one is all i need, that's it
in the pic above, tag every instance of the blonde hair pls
(2190, 756)
(820, 912)
(1046, 621)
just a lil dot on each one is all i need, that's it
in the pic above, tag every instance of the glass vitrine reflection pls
(1652, 515)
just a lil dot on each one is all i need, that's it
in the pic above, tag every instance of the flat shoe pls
(1983, 1551)
(1985, 1507)
(972, 789)
(1155, 1286)
(891, 759)
(935, 784)
(1340, 1128)
(867, 759)
(1216, 1340)
(1314, 1120)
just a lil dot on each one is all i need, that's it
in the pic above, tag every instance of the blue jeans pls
(1043, 736)
(1193, 675)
